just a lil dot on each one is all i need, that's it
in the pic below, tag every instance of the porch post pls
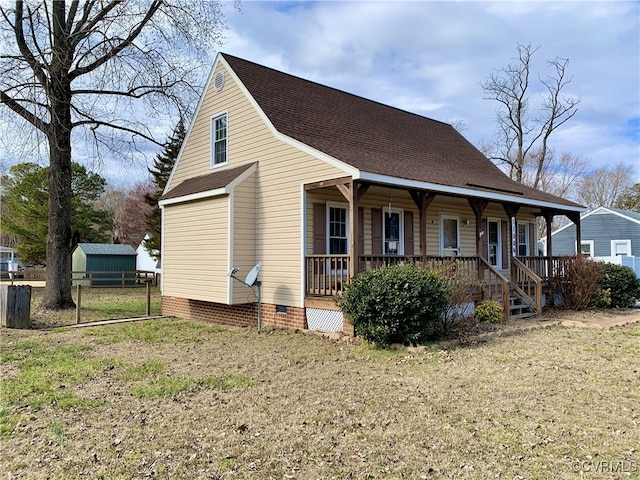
(575, 218)
(353, 229)
(548, 218)
(478, 205)
(422, 201)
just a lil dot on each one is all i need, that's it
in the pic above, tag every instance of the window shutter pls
(376, 231)
(485, 239)
(533, 247)
(360, 231)
(504, 237)
(408, 232)
(319, 228)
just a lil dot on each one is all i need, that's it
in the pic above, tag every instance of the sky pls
(431, 57)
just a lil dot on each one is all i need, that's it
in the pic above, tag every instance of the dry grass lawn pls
(169, 399)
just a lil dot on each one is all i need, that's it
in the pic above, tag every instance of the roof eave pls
(466, 192)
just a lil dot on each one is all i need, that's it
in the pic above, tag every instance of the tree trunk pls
(57, 294)
(58, 287)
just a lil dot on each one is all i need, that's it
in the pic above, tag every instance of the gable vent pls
(218, 81)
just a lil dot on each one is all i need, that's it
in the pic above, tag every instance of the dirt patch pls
(547, 403)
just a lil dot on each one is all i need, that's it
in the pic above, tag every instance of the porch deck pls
(518, 289)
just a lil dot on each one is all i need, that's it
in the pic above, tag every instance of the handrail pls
(495, 285)
(526, 284)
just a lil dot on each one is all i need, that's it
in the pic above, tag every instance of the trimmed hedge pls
(396, 304)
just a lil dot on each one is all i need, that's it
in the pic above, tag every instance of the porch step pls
(520, 309)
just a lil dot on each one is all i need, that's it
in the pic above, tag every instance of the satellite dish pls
(253, 274)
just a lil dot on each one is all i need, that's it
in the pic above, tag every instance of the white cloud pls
(431, 57)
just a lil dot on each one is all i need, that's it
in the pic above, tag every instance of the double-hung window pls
(523, 239)
(338, 228)
(219, 136)
(620, 248)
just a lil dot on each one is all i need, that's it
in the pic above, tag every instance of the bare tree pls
(605, 186)
(109, 69)
(522, 135)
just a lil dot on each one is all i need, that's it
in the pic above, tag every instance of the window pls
(493, 242)
(392, 229)
(523, 239)
(620, 247)
(586, 247)
(338, 231)
(219, 140)
(450, 234)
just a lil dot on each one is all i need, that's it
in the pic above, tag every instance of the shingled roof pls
(374, 137)
(205, 183)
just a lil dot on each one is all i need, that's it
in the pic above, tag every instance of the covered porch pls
(354, 225)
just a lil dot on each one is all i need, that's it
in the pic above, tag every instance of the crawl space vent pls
(324, 320)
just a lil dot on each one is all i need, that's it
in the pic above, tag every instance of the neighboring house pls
(318, 184)
(101, 264)
(608, 234)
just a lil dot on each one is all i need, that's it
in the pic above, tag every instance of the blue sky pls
(431, 57)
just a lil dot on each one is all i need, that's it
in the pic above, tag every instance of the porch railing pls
(547, 268)
(526, 284)
(327, 275)
(495, 286)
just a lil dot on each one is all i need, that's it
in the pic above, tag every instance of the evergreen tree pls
(162, 166)
(25, 198)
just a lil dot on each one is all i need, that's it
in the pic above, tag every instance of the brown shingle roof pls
(373, 137)
(205, 183)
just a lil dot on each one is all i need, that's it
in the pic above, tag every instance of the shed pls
(104, 264)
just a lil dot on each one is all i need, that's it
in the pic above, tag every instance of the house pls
(318, 184)
(144, 260)
(101, 264)
(608, 234)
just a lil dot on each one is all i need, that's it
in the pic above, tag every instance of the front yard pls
(180, 400)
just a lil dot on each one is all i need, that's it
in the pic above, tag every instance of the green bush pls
(396, 304)
(489, 311)
(622, 283)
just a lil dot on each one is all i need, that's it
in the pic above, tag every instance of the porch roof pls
(210, 182)
(376, 138)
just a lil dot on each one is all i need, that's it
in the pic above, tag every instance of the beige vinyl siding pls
(282, 170)
(243, 241)
(195, 241)
(379, 198)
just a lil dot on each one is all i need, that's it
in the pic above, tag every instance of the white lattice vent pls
(325, 320)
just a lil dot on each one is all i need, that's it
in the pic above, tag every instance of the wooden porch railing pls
(367, 262)
(327, 275)
(526, 284)
(547, 268)
(495, 286)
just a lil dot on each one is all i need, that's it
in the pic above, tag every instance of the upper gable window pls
(219, 136)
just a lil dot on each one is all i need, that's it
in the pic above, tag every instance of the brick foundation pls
(243, 315)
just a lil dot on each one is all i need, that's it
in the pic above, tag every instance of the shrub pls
(622, 283)
(489, 311)
(577, 281)
(396, 304)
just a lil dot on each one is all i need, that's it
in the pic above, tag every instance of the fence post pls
(79, 294)
(148, 298)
